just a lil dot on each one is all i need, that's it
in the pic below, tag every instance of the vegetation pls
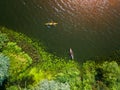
(3, 40)
(19, 60)
(111, 74)
(88, 75)
(4, 64)
(27, 66)
(52, 85)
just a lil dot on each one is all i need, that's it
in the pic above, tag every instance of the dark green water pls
(89, 27)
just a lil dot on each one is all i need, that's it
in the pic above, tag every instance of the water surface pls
(90, 27)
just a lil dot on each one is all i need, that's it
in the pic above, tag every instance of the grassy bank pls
(25, 65)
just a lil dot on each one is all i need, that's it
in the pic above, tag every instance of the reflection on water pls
(89, 27)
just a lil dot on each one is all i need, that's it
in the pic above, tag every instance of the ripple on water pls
(90, 27)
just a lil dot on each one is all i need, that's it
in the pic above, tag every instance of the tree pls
(88, 75)
(4, 64)
(3, 40)
(111, 73)
(52, 85)
(19, 60)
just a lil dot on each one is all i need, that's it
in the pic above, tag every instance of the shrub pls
(88, 75)
(28, 45)
(19, 60)
(4, 64)
(52, 85)
(111, 73)
(57, 69)
(72, 77)
(100, 86)
(3, 40)
(37, 75)
(12, 88)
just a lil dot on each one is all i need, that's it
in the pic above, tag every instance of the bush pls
(4, 64)
(111, 73)
(88, 75)
(72, 77)
(52, 85)
(3, 40)
(53, 68)
(12, 88)
(28, 45)
(19, 60)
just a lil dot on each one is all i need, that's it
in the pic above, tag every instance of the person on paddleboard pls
(71, 53)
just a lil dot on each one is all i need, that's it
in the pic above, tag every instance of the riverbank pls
(30, 67)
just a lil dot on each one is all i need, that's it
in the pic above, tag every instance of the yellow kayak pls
(51, 23)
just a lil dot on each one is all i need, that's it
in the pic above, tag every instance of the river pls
(90, 27)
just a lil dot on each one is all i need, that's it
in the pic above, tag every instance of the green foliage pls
(72, 76)
(100, 86)
(3, 40)
(100, 76)
(111, 74)
(118, 86)
(58, 69)
(52, 85)
(12, 88)
(91, 76)
(19, 60)
(4, 64)
(31, 47)
(115, 56)
(88, 75)
(51, 68)
(38, 75)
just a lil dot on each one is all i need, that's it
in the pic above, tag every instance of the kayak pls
(51, 23)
